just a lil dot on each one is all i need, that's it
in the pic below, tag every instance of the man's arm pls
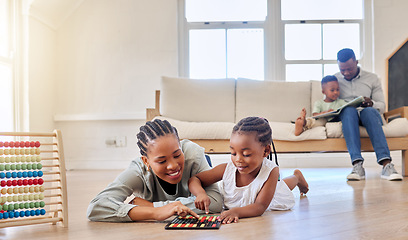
(377, 96)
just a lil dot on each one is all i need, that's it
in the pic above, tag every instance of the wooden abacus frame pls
(55, 186)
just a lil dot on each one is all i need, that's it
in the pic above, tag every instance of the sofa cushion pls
(222, 130)
(209, 100)
(316, 94)
(286, 132)
(396, 128)
(273, 100)
(201, 130)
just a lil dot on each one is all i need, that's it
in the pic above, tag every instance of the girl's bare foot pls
(300, 122)
(302, 184)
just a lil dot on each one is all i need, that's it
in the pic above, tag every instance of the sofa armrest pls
(399, 112)
(154, 112)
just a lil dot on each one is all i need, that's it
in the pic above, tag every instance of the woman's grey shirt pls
(109, 205)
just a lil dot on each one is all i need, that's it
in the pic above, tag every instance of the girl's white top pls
(234, 196)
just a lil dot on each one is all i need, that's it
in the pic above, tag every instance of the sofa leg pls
(404, 156)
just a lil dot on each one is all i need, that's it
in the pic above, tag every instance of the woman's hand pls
(202, 202)
(229, 216)
(174, 208)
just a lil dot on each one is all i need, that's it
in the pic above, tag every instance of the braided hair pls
(152, 130)
(263, 131)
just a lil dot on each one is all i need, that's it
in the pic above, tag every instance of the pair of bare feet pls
(300, 122)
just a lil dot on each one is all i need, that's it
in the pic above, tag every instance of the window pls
(292, 40)
(315, 30)
(226, 41)
(6, 67)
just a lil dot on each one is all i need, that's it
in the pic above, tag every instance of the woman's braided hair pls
(261, 127)
(152, 130)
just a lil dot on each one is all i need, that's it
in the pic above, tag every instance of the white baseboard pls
(317, 160)
(300, 160)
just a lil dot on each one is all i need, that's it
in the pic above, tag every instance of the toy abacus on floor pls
(33, 179)
(190, 222)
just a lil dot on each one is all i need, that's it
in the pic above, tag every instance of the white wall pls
(41, 74)
(105, 61)
(390, 31)
(110, 57)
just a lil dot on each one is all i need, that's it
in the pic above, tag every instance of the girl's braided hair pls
(263, 131)
(152, 130)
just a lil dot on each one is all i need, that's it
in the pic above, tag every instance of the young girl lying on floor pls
(250, 182)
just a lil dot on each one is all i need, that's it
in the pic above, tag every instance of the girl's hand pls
(174, 208)
(230, 216)
(202, 202)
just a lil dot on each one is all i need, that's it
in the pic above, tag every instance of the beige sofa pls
(205, 112)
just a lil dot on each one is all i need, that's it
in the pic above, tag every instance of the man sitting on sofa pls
(356, 82)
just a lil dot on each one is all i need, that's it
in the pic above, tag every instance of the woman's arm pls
(141, 213)
(109, 205)
(261, 203)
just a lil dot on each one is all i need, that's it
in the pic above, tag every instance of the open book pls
(356, 102)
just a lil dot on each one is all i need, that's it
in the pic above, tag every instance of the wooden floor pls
(333, 209)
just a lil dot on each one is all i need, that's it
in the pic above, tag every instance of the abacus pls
(190, 222)
(33, 179)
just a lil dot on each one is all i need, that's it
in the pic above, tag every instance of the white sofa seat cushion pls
(201, 130)
(274, 100)
(222, 130)
(396, 128)
(286, 132)
(209, 100)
